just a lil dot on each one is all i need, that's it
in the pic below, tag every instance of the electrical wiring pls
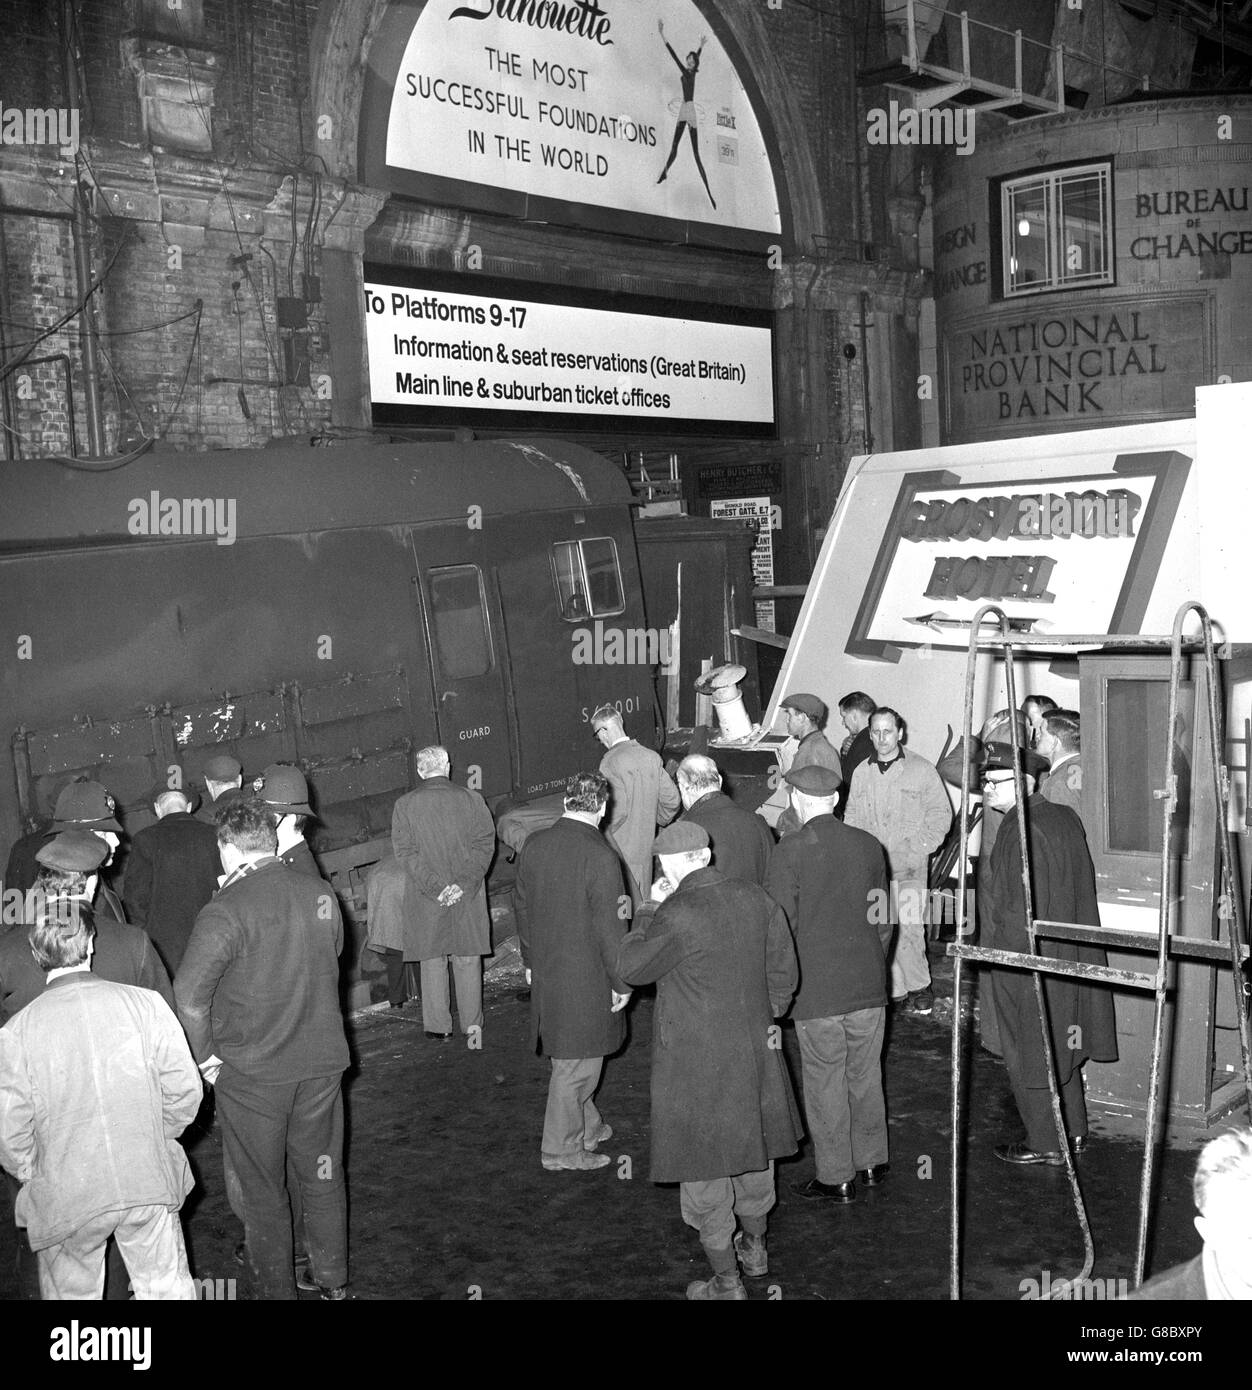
(109, 465)
(11, 367)
(99, 465)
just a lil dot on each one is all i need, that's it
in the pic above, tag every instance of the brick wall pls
(180, 223)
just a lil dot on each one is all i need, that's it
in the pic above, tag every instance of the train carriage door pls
(466, 639)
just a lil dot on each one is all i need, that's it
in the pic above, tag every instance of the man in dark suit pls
(223, 778)
(832, 883)
(172, 871)
(258, 993)
(722, 1108)
(740, 841)
(855, 710)
(571, 904)
(1222, 1187)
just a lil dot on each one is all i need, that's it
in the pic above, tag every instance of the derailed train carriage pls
(336, 608)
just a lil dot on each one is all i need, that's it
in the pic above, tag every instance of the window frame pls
(1052, 178)
(432, 574)
(591, 615)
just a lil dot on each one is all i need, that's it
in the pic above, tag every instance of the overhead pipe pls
(82, 253)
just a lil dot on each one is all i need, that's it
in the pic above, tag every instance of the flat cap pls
(806, 704)
(79, 851)
(1000, 759)
(814, 780)
(221, 767)
(283, 788)
(87, 806)
(680, 838)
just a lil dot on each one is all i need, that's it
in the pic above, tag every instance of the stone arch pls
(345, 29)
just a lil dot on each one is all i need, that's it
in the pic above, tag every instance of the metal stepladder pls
(1231, 950)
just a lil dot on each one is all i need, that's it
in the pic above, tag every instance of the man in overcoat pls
(172, 872)
(642, 795)
(445, 838)
(1080, 1014)
(571, 904)
(724, 964)
(740, 841)
(832, 883)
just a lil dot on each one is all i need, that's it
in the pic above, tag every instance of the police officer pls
(284, 790)
(88, 806)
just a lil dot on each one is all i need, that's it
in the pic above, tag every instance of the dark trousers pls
(1014, 1000)
(1035, 1105)
(397, 976)
(265, 1129)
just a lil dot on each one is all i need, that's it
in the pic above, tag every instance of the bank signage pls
(1066, 555)
(461, 350)
(574, 111)
(1068, 368)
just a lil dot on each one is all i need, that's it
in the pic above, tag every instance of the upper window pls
(462, 637)
(1057, 230)
(588, 579)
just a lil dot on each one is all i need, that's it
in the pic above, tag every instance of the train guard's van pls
(337, 608)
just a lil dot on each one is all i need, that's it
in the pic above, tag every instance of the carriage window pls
(462, 637)
(588, 578)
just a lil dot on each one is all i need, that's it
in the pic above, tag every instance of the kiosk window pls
(1057, 230)
(588, 579)
(1135, 754)
(462, 637)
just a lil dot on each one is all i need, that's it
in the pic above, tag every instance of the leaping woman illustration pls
(688, 116)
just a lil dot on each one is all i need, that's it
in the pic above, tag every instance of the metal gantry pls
(1232, 950)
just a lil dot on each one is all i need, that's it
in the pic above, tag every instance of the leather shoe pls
(1021, 1153)
(871, 1177)
(815, 1191)
(438, 1037)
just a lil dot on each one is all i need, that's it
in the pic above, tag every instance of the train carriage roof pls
(294, 489)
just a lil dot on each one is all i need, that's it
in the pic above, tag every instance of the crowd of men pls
(823, 922)
(226, 975)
